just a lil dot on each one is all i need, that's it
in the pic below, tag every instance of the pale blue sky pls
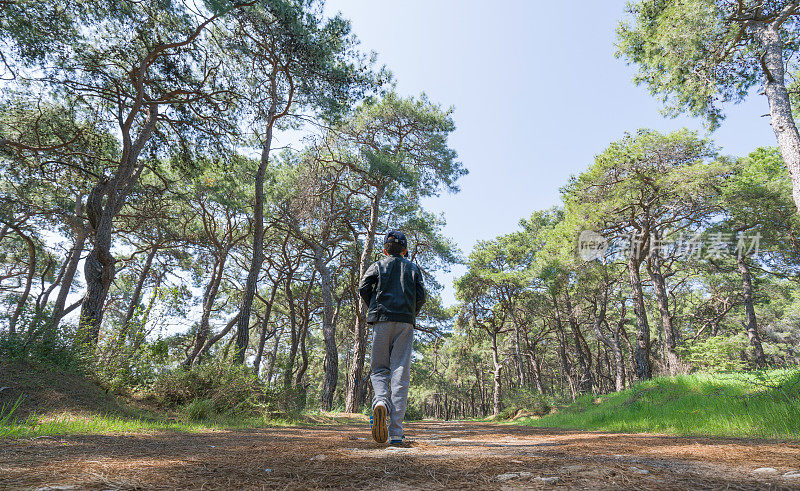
(537, 94)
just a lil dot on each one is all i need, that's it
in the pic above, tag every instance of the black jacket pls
(392, 287)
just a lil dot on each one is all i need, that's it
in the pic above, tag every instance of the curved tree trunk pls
(209, 296)
(23, 299)
(273, 357)
(137, 293)
(69, 273)
(537, 371)
(214, 339)
(243, 326)
(99, 265)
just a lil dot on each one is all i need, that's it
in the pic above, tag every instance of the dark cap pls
(395, 236)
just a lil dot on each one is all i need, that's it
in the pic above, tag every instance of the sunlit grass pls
(756, 404)
(84, 424)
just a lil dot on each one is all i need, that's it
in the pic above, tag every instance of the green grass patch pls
(80, 424)
(763, 404)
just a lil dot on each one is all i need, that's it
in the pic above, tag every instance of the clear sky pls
(537, 93)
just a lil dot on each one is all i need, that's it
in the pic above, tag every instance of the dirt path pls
(443, 455)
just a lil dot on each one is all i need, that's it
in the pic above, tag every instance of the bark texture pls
(356, 381)
(780, 106)
(751, 325)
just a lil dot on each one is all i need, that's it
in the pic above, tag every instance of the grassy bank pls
(757, 404)
(44, 400)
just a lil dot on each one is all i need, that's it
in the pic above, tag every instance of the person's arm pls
(367, 285)
(421, 294)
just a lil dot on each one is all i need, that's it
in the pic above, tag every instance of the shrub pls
(508, 413)
(527, 400)
(230, 389)
(717, 353)
(43, 346)
(199, 409)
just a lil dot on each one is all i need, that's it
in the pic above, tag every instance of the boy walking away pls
(392, 288)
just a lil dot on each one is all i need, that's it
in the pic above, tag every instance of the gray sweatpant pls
(392, 343)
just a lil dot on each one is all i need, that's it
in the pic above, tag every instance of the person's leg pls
(402, 346)
(380, 363)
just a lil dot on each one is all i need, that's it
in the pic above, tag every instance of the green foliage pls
(132, 365)
(508, 413)
(414, 413)
(717, 353)
(227, 388)
(739, 405)
(698, 54)
(59, 350)
(200, 409)
(527, 400)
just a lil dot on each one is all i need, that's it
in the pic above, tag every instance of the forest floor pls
(441, 455)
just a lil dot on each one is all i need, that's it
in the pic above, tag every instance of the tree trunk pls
(619, 359)
(611, 343)
(137, 292)
(355, 378)
(643, 370)
(497, 401)
(301, 335)
(752, 325)
(243, 326)
(331, 363)
(521, 374)
(273, 356)
(213, 340)
(12, 325)
(562, 350)
(69, 274)
(301, 372)
(209, 296)
(780, 107)
(481, 391)
(287, 374)
(537, 371)
(671, 358)
(98, 268)
(264, 326)
(585, 378)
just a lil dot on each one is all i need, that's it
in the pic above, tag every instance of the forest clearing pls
(252, 243)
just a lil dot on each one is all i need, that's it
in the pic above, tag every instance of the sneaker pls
(396, 442)
(380, 431)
